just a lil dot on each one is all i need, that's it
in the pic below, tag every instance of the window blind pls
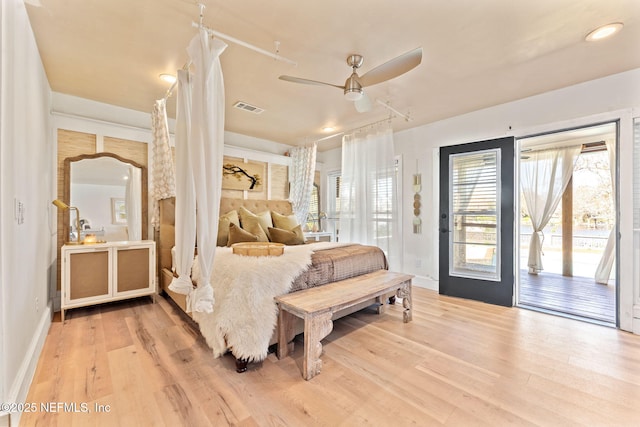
(474, 184)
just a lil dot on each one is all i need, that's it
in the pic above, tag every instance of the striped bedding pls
(339, 263)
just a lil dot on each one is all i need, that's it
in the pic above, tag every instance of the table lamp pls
(62, 205)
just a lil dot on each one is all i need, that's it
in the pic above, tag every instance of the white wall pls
(26, 260)
(615, 97)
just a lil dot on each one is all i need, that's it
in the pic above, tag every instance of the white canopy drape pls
(368, 196)
(133, 203)
(302, 171)
(544, 177)
(185, 220)
(163, 181)
(206, 151)
(603, 271)
(199, 152)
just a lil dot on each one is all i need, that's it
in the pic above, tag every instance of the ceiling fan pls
(353, 86)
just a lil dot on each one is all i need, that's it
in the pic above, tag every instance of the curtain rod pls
(170, 90)
(242, 43)
(385, 105)
(173, 85)
(354, 129)
(390, 108)
(586, 146)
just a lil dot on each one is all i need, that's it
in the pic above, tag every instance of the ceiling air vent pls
(248, 107)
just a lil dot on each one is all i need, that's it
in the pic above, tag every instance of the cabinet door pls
(133, 269)
(88, 275)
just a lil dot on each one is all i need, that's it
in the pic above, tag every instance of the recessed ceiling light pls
(604, 31)
(169, 78)
(328, 129)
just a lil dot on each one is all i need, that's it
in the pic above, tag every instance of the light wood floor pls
(459, 363)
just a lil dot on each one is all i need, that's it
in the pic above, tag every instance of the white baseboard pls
(425, 282)
(20, 387)
(635, 328)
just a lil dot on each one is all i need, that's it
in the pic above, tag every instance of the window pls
(474, 219)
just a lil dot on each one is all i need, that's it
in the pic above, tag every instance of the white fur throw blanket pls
(244, 287)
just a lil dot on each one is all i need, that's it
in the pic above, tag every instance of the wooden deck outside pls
(577, 296)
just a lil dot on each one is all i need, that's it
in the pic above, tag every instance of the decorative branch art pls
(242, 176)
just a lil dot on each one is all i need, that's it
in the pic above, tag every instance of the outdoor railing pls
(579, 241)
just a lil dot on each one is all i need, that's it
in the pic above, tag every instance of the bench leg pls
(286, 333)
(381, 303)
(405, 293)
(316, 327)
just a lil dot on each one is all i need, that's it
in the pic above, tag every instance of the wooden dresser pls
(103, 272)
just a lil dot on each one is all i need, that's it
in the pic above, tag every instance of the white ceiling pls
(476, 54)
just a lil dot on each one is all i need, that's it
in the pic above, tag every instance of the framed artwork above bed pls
(242, 176)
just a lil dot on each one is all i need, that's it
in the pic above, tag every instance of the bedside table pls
(318, 236)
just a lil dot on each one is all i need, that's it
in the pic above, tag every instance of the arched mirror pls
(110, 193)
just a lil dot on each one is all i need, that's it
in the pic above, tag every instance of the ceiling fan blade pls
(363, 105)
(393, 68)
(307, 81)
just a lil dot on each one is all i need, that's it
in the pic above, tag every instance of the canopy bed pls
(230, 296)
(248, 308)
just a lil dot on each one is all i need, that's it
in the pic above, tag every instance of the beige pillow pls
(238, 235)
(287, 237)
(248, 218)
(223, 226)
(285, 222)
(254, 228)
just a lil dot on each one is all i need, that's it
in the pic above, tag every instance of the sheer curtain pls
(603, 271)
(163, 184)
(302, 172)
(206, 151)
(544, 177)
(185, 220)
(199, 151)
(368, 196)
(133, 203)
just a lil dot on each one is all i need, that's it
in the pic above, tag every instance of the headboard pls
(166, 238)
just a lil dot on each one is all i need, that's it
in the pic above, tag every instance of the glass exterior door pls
(476, 221)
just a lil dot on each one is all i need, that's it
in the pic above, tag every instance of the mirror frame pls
(67, 189)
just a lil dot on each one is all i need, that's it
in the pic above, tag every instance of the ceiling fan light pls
(353, 94)
(352, 88)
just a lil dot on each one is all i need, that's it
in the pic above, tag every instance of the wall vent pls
(248, 107)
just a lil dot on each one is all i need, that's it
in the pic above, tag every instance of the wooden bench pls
(316, 306)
